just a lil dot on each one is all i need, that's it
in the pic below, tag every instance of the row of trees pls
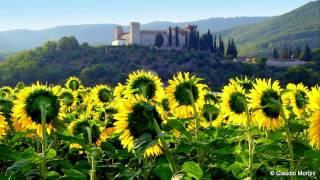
(208, 42)
(293, 53)
(205, 42)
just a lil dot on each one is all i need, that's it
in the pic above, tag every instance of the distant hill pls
(53, 62)
(298, 27)
(16, 40)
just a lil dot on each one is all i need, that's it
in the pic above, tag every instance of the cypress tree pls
(275, 53)
(159, 40)
(290, 53)
(210, 42)
(307, 54)
(285, 52)
(229, 50)
(297, 52)
(186, 41)
(177, 37)
(234, 50)
(214, 50)
(221, 47)
(197, 45)
(170, 37)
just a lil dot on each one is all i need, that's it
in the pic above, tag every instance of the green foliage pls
(49, 63)
(159, 40)
(307, 54)
(192, 169)
(68, 43)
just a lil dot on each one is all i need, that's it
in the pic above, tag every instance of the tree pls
(290, 53)
(234, 50)
(170, 37)
(229, 50)
(197, 45)
(285, 52)
(210, 41)
(297, 52)
(307, 54)
(316, 57)
(68, 43)
(177, 37)
(159, 40)
(275, 53)
(186, 41)
(221, 47)
(214, 50)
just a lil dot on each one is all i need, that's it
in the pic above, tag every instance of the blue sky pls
(38, 14)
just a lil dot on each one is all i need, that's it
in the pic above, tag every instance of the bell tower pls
(134, 33)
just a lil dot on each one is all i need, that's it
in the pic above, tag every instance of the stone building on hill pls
(136, 36)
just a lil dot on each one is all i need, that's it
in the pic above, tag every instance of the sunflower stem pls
(289, 136)
(92, 155)
(43, 166)
(196, 116)
(250, 142)
(170, 158)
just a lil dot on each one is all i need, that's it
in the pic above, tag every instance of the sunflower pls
(314, 98)
(6, 108)
(26, 113)
(105, 134)
(145, 83)
(101, 94)
(244, 82)
(119, 91)
(211, 114)
(180, 92)
(68, 100)
(20, 85)
(79, 127)
(297, 98)
(104, 113)
(234, 104)
(266, 105)
(134, 120)
(314, 129)
(73, 83)
(6, 92)
(4, 127)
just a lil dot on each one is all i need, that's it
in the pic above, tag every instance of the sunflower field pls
(149, 129)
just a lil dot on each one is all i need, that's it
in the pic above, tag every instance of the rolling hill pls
(298, 27)
(16, 40)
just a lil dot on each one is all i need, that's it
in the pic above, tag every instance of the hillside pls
(298, 27)
(16, 40)
(53, 62)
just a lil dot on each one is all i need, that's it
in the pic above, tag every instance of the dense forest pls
(54, 61)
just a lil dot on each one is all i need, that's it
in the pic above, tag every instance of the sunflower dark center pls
(6, 107)
(210, 112)
(105, 95)
(3, 94)
(67, 98)
(81, 128)
(145, 86)
(238, 103)
(183, 91)
(42, 98)
(301, 99)
(141, 119)
(271, 103)
(74, 84)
